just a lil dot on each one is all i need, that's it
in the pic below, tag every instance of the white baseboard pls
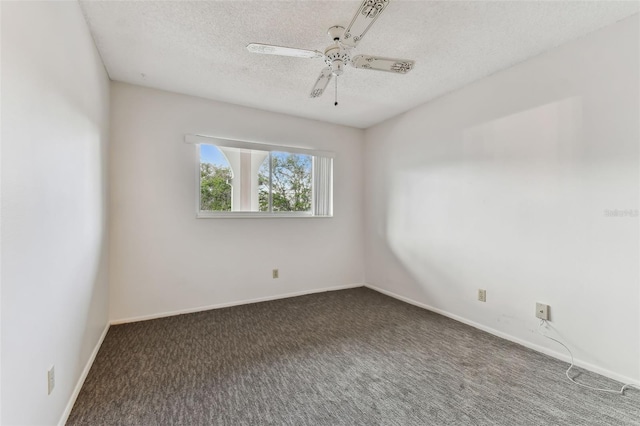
(83, 376)
(229, 304)
(563, 357)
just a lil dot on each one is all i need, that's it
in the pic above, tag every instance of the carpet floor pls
(350, 357)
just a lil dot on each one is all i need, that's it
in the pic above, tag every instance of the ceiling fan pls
(339, 54)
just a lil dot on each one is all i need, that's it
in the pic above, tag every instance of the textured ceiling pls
(198, 48)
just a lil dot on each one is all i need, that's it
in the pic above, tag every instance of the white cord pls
(618, 392)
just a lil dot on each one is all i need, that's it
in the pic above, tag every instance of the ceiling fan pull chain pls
(336, 103)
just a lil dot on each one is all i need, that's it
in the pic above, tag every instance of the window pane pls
(263, 185)
(215, 180)
(290, 182)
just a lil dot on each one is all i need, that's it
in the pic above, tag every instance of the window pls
(243, 179)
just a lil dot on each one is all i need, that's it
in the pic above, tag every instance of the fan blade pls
(366, 15)
(269, 49)
(321, 83)
(400, 66)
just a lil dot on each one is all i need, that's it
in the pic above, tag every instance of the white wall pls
(54, 205)
(504, 185)
(163, 259)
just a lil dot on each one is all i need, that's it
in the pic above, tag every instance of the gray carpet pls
(351, 357)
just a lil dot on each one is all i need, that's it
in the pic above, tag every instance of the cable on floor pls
(618, 392)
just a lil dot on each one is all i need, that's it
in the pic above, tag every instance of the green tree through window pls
(215, 187)
(290, 182)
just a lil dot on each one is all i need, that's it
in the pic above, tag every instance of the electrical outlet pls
(542, 311)
(51, 379)
(275, 273)
(482, 295)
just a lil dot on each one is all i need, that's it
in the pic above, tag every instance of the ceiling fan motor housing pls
(336, 57)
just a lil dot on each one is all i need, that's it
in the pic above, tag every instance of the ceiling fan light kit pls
(339, 54)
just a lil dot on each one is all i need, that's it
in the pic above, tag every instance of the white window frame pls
(231, 143)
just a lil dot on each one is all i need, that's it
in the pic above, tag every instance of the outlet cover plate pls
(482, 295)
(542, 311)
(51, 379)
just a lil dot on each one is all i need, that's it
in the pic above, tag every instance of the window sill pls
(257, 215)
